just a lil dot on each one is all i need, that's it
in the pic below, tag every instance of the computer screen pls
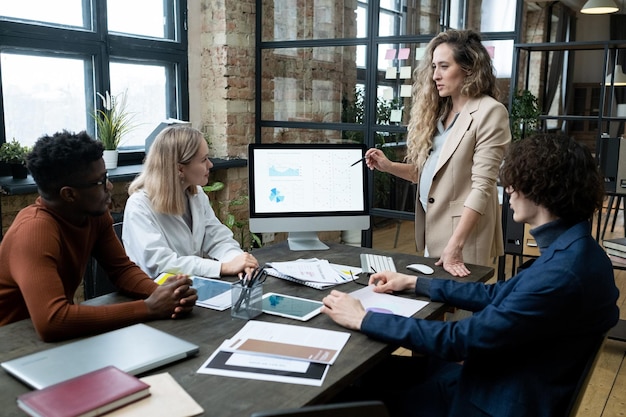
(303, 189)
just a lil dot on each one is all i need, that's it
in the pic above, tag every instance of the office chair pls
(583, 380)
(351, 409)
(96, 280)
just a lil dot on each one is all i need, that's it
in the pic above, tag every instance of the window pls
(60, 12)
(52, 100)
(342, 71)
(56, 56)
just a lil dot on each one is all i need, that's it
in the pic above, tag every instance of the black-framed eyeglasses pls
(102, 182)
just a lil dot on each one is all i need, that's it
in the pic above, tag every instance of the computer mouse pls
(424, 269)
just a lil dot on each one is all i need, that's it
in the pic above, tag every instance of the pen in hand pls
(360, 160)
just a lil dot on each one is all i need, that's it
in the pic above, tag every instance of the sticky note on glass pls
(403, 53)
(405, 90)
(405, 73)
(491, 50)
(419, 53)
(388, 94)
(391, 73)
(391, 54)
(395, 116)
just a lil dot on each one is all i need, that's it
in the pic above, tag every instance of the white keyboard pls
(376, 263)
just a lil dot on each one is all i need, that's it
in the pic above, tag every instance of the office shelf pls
(588, 109)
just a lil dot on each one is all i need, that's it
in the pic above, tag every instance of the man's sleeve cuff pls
(422, 286)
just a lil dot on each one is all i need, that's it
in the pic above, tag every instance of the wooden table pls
(224, 396)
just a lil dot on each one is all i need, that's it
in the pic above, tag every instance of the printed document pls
(277, 352)
(315, 273)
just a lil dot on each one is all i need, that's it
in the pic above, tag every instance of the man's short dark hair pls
(556, 172)
(61, 159)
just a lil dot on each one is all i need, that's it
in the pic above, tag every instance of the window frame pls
(35, 38)
(370, 76)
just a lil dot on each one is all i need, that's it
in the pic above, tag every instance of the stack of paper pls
(315, 273)
(616, 249)
(277, 352)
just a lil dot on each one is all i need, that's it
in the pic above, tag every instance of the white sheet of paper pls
(267, 362)
(405, 90)
(405, 73)
(395, 116)
(419, 53)
(290, 334)
(264, 368)
(388, 303)
(391, 73)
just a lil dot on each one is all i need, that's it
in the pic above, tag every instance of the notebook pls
(134, 349)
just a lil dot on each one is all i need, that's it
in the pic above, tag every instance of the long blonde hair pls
(160, 179)
(428, 107)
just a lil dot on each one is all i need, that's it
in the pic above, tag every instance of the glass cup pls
(247, 301)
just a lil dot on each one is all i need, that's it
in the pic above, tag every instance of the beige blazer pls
(465, 176)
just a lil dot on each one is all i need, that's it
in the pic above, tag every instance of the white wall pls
(588, 64)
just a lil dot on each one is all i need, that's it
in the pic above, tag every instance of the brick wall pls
(222, 73)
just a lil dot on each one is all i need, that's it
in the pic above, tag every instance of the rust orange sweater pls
(42, 262)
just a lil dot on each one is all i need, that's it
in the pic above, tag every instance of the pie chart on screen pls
(276, 196)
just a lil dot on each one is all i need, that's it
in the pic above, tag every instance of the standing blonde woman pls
(457, 136)
(169, 224)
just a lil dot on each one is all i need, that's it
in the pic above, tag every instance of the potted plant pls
(14, 154)
(112, 123)
(524, 114)
(240, 229)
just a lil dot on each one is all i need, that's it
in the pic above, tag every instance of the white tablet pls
(291, 307)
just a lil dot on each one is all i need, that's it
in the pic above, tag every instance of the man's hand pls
(172, 299)
(392, 281)
(344, 309)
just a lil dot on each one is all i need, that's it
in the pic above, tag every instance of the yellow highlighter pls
(163, 277)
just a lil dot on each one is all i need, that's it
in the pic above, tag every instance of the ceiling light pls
(599, 7)
(620, 77)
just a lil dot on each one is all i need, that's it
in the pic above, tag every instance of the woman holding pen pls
(457, 136)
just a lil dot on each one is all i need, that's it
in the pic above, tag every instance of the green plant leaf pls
(13, 152)
(216, 186)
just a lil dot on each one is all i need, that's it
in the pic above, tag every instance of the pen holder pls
(247, 301)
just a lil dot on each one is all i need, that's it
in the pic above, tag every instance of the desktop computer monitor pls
(303, 189)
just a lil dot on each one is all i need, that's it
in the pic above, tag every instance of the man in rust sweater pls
(45, 252)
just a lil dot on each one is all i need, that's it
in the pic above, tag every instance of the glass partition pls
(308, 84)
(286, 20)
(296, 135)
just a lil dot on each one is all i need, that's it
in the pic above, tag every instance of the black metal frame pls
(371, 42)
(103, 48)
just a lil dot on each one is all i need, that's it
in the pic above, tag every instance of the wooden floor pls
(606, 393)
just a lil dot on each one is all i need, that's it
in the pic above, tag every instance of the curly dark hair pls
(58, 160)
(556, 172)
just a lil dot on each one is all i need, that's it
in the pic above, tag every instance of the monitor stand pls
(305, 241)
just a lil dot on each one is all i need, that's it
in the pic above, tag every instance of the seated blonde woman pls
(169, 224)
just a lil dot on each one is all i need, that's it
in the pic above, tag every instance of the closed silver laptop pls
(134, 349)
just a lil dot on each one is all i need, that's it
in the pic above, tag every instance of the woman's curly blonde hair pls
(428, 107)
